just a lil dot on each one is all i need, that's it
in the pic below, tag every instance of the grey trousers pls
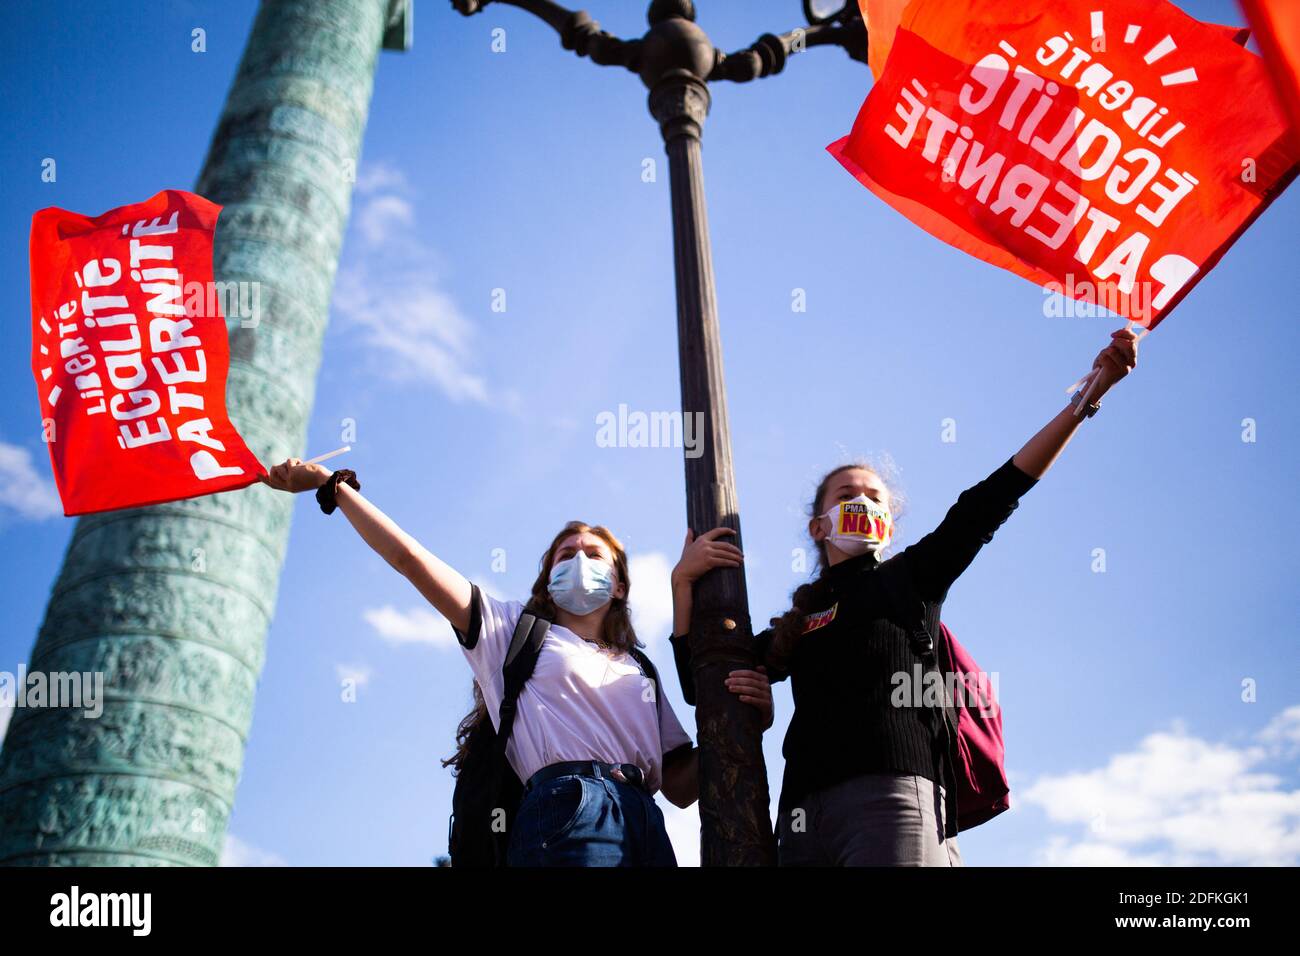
(878, 819)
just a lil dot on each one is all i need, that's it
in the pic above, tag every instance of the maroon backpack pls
(982, 789)
(975, 776)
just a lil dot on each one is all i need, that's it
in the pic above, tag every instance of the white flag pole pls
(328, 455)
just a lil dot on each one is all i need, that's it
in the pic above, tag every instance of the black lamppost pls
(676, 61)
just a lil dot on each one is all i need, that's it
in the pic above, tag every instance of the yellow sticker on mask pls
(860, 520)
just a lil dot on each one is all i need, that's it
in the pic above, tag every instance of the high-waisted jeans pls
(577, 820)
(878, 819)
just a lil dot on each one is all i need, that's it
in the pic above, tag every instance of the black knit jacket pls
(844, 668)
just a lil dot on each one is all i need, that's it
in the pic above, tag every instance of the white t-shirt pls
(581, 703)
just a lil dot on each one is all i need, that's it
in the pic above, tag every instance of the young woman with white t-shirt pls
(591, 745)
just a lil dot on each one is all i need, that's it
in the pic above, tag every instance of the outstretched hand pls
(294, 475)
(1115, 360)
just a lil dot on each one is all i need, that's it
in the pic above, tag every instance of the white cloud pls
(23, 488)
(235, 852)
(651, 596)
(384, 217)
(421, 624)
(1283, 731)
(389, 290)
(683, 828)
(418, 330)
(359, 676)
(417, 625)
(1178, 800)
(381, 176)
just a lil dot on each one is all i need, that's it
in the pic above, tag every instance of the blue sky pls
(1128, 737)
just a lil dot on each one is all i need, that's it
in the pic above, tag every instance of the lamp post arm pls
(768, 54)
(578, 31)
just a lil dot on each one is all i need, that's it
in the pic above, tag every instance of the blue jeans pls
(584, 821)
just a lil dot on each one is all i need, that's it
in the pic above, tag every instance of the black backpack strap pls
(911, 616)
(651, 672)
(521, 661)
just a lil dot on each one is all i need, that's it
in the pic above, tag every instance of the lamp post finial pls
(661, 10)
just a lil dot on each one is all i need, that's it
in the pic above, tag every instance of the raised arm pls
(442, 585)
(1114, 362)
(940, 557)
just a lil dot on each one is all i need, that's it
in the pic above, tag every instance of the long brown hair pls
(810, 597)
(617, 631)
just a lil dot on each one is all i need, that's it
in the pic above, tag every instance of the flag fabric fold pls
(1277, 30)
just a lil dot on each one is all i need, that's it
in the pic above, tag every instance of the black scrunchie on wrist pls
(326, 492)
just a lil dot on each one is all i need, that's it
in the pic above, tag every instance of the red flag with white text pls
(130, 354)
(1112, 152)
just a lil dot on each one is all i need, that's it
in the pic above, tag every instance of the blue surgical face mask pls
(581, 584)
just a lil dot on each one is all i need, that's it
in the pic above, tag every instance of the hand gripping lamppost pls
(171, 602)
(676, 61)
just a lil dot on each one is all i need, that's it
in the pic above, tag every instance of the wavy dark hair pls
(617, 631)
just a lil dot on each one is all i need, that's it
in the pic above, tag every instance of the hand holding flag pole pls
(1090, 381)
(294, 474)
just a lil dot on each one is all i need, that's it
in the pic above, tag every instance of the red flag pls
(130, 355)
(1277, 28)
(881, 18)
(1113, 155)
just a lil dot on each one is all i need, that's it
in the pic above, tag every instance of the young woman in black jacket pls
(865, 766)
